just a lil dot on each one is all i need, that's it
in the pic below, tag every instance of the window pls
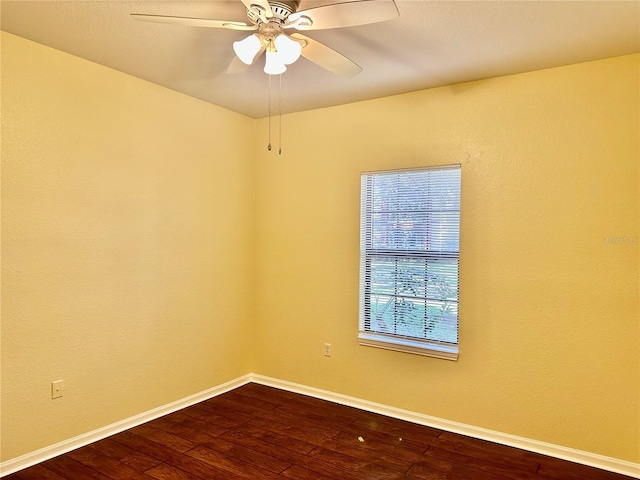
(409, 250)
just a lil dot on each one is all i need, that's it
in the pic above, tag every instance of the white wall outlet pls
(327, 349)
(56, 388)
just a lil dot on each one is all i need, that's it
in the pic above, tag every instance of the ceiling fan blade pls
(327, 57)
(194, 22)
(263, 6)
(346, 14)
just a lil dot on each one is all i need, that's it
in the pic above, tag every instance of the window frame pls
(394, 341)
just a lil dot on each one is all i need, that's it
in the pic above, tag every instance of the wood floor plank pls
(308, 421)
(348, 463)
(37, 472)
(208, 426)
(423, 472)
(92, 457)
(186, 432)
(133, 458)
(425, 468)
(265, 460)
(300, 403)
(462, 441)
(168, 456)
(277, 438)
(497, 469)
(505, 459)
(406, 430)
(231, 464)
(296, 472)
(383, 456)
(304, 433)
(383, 438)
(322, 416)
(257, 432)
(67, 467)
(257, 408)
(324, 408)
(283, 397)
(329, 469)
(163, 438)
(235, 397)
(246, 440)
(163, 471)
(553, 468)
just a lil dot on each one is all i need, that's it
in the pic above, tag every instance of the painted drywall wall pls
(126, 233)
(549, 318)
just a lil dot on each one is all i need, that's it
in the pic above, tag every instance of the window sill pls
(444, 351)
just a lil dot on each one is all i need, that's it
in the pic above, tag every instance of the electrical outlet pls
(327, 349)
(56, 388)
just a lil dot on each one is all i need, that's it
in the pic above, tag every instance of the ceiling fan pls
(269, 20)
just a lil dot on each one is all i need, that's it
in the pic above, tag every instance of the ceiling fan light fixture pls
(248, 49)
(270, 18)
(274, 64)
(287, 49)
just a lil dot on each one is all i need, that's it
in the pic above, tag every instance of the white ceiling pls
(432, 43)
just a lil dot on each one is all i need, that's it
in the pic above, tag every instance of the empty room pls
(320, 240)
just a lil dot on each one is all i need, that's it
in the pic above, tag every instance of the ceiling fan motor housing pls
(280, 11)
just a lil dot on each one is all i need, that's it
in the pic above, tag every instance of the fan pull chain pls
(269, 146)
(280, 117)
(279, 114)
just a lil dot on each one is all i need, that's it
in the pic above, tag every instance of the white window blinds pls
(409, 249)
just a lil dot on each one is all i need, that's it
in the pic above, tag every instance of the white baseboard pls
(46, 453)
(578, 456)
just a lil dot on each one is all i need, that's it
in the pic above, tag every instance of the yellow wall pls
(549, 317)
(126, 233)
(130, 242)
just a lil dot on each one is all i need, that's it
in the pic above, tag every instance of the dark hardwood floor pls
(261, 433)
